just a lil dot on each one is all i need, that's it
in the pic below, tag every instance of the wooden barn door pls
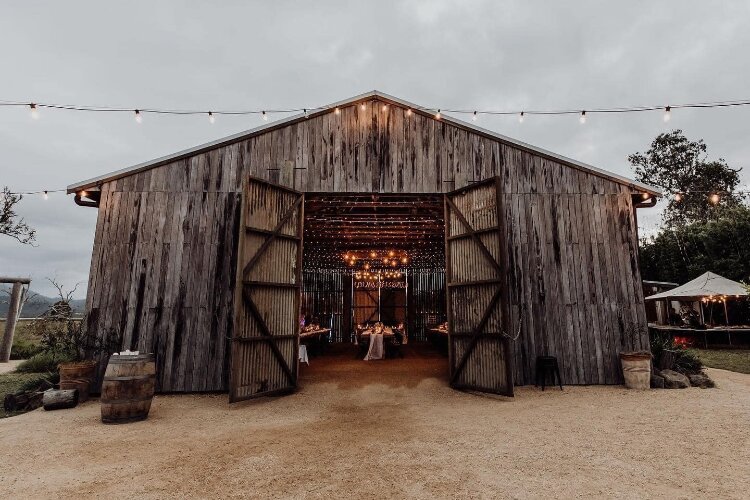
(267, 298)
(479, 350)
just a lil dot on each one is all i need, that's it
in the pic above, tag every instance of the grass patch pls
(735, 360)
(26, 342)
(42, 362)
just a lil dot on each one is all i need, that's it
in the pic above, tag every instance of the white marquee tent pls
(704, 286)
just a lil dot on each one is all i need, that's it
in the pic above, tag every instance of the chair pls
(547, 365)
(393, 346)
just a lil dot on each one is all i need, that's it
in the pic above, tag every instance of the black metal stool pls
(547, 365)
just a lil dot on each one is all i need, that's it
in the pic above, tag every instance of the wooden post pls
(14, 310)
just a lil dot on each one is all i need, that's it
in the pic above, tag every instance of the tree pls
(10, 224)
(681, 253)
(679, 165)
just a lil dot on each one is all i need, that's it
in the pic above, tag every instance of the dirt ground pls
(393, 429)
(9, 366)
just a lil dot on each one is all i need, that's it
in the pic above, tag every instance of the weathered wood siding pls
(162, 270)
(163, 273)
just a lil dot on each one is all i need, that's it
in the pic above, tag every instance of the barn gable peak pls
(376, 95)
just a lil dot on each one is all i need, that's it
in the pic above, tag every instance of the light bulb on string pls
(264, 115)
(714, 198)
(385, 108)
(474, 116)
(211, 117)
(138, 117)
(362, 106)
(520, 117)
(46, 196)
(582, 119)
(305, 111)
(678, 197)
(408, 112)
(437, 115)
(34, 111)
(337, 110)
(667, 113)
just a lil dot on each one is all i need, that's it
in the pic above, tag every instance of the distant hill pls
(36, 305)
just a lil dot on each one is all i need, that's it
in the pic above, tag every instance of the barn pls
(369, 209)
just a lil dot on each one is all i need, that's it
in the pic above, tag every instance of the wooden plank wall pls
(163, 234)
(163, 269)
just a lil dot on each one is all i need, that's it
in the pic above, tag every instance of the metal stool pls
(547, 365)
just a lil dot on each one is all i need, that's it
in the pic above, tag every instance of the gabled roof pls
(706, 285)
(95, 181)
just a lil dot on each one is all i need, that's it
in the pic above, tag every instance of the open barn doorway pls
(374, 266)
(387, 277)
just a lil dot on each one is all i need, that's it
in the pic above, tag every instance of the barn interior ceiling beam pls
(412, 225)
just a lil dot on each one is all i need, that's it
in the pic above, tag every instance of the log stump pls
(58, 399)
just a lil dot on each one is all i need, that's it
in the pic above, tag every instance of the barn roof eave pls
(96, 181)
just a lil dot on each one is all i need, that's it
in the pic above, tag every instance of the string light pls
(520, 117)
(437, 115)
(305, 111)
(138, 117)
(46, 195)
(385, 108)
(34, 111)
(475, 112)
(211, 118)
(677, 197)
(715, 199)
(474, 116)
(362, 106)
(408, 112)
(265, 116)
(337, 110)
(582, 119)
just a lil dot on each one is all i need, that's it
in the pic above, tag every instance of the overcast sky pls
(484, 55)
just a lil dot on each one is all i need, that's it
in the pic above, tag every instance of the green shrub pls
(681, 360)
(42, 362)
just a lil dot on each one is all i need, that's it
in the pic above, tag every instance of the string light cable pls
(138, 114)
(211, 114)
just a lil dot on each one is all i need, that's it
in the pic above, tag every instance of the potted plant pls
(63, 337)
(636, 364)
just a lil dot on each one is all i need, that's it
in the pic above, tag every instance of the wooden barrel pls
(77, 376)
(128, 388)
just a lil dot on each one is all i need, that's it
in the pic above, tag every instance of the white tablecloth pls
(376, 347)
